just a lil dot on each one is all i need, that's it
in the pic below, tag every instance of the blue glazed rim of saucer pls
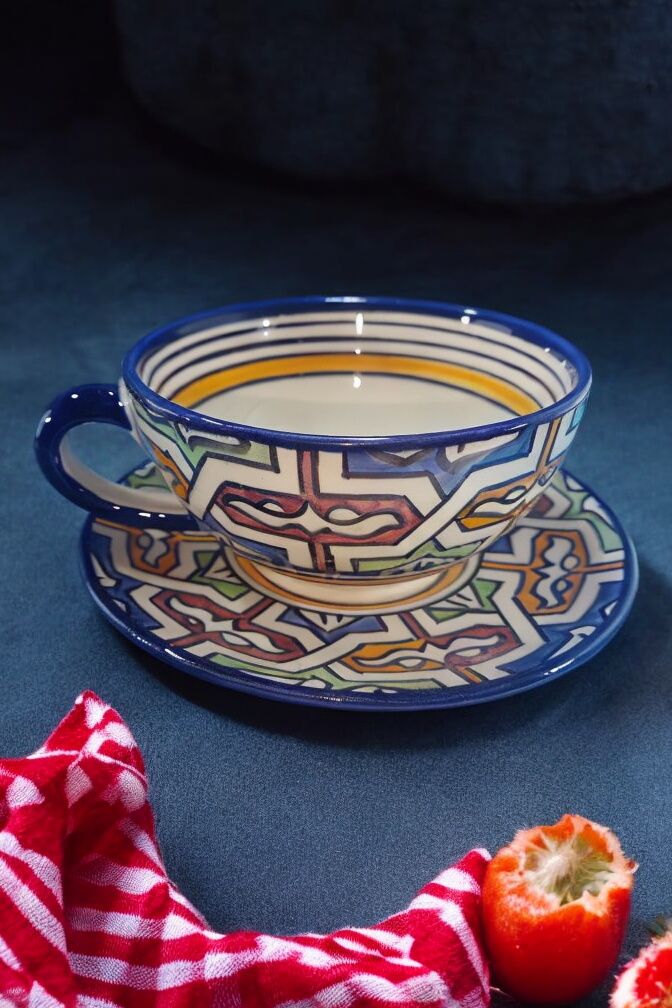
(453, 697)
(530, 331)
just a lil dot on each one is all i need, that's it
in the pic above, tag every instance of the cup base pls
(350, 596)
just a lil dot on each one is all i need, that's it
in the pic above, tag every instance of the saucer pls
(541, 601)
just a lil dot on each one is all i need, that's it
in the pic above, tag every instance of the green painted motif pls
(230, 587)
(482, 588)
(196, 446)
(428, 555)
(576, 498)
(148, 476)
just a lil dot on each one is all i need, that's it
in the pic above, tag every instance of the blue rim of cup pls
(530, 331)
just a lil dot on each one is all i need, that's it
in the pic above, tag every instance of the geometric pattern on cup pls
(363, 511)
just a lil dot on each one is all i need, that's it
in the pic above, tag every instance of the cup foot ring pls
(349, 596)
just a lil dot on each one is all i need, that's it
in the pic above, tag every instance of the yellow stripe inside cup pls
(495, 389)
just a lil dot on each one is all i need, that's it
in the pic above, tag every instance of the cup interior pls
(361, 369)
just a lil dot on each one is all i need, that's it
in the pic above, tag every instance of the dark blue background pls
(282, 818)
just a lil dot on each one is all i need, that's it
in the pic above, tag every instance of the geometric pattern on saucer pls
(544, 598)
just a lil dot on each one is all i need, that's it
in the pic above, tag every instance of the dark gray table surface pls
(278, 817)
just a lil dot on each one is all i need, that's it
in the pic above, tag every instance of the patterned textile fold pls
(90, 919)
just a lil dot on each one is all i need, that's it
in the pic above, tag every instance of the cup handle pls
(86, 488)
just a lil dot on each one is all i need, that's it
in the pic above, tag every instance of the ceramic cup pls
(345, 451)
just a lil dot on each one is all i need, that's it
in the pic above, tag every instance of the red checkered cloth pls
(89, 918)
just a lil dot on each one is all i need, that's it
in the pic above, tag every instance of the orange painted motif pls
(501, 392)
